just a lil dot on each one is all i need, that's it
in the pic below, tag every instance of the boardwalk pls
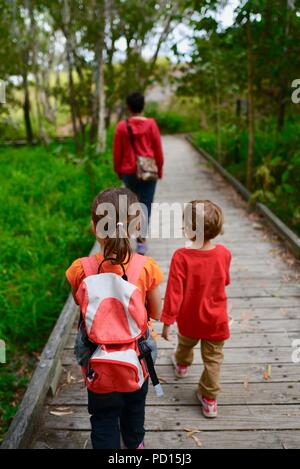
(254, 412)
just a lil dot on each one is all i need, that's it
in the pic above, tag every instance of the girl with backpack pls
(115, 328)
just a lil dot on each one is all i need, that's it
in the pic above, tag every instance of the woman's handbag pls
(146, 166)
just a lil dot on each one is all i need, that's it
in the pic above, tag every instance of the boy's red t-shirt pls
(195, 296)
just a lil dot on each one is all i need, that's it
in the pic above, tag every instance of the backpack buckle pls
(90, 374)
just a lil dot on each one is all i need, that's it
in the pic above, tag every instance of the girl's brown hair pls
(213, 219)
(119, 245)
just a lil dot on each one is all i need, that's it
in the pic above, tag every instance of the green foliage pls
(277, 165)
(13, 380)
(170, 121)
(45, 201)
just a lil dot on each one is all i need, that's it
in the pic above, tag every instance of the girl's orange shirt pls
(151, 276)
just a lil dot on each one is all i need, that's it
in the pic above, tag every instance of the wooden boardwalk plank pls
(264, 302)
(232, 356)
(236, 373)
(283, 439)
(179, 417)
(275, 339)
(241, 394)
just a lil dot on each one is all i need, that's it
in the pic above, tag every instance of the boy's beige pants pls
(212, 356)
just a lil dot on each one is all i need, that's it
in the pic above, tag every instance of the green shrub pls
(276, 165)
(45, 201)
(170, 121)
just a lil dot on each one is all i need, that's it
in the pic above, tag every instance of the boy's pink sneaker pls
(141, 445)
(181, 371)
(209, 406)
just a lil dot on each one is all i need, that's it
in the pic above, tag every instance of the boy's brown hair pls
(119, 246)
(213, 219)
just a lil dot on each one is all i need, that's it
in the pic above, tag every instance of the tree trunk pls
(95, 100)
(238, 115)
(251, 136)
(162, 38)
(26, 109)
(218, 113)
(111, 73)
(101, 130)
(66, 21)
(285, 60)
(203, 118)
(37, 92)
(37, 89)
(73, 102)
(218, 126)
(282, 105)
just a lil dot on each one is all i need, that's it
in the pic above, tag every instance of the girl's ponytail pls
(117, 246)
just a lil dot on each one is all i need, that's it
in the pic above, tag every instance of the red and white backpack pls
(115, 321)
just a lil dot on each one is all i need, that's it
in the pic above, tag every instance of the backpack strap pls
(135, 267)
(90, 265)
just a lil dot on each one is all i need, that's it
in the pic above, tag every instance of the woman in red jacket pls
(147, 142)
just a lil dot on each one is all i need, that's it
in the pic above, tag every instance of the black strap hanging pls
(145, 350)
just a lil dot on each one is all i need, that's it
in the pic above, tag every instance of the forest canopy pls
(227, 70)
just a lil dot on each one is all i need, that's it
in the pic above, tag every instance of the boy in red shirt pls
(196, 300)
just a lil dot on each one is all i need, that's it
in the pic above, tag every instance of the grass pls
(276, 165)
(45, 200)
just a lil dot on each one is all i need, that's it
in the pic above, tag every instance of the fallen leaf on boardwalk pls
(283, 312)
(197, 440)
(62, 409)
(246, 383)
(231, 321)
(267, 373)
(191, 431)
(290, 261)
(246, 317)
(61, 414)
(47, 446)
(85, 444)
(70, 378)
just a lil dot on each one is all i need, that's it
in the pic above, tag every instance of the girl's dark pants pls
(116, 414)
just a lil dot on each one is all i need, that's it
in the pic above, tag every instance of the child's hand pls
(165, 332)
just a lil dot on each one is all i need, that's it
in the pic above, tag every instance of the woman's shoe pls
(141, 248)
